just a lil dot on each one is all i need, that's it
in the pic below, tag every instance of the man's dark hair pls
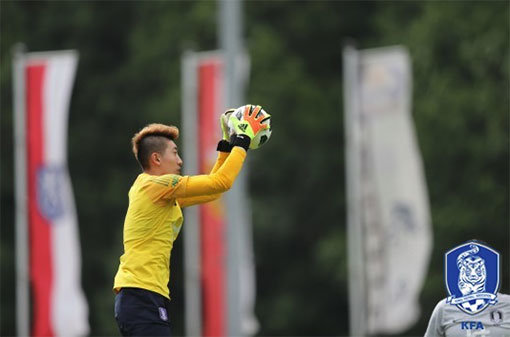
(150, 139)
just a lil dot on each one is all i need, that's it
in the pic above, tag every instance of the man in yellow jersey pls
(154, 216)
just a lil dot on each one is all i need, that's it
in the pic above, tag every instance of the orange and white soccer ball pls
(262, 136)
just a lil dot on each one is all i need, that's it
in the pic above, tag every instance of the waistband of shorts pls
(144, 292)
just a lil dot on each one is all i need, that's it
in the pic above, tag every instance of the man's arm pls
(224, 149)
(190, 201)
(239, 130)
(177, 187)
(435, 328)
(218, 182)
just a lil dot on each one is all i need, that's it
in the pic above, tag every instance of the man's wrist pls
(224, 146)
(241, 141)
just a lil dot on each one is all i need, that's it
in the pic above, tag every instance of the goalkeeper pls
(154, 216)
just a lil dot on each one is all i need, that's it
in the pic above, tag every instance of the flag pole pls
(357, 294)
(192, 289)
(20, 190)
(229, 17)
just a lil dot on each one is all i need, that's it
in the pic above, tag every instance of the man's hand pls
(244, 121)
(224, 124)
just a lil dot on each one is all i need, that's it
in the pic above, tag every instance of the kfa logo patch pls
(472, 326)
(472, 276)
(163, 314)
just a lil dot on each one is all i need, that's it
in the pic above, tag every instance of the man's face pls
(169, 160)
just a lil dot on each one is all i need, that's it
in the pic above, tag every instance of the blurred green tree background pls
(129, 75)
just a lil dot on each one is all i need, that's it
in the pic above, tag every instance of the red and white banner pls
(59, 307)
(220, 293)
(212, 218)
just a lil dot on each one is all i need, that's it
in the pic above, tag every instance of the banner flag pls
(394, 210)
(59, 307)
(206, 244)
(212, 218)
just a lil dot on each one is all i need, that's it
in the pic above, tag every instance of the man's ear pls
(155, 158)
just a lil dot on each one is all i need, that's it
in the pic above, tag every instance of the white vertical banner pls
(394, 212)
(59, 307)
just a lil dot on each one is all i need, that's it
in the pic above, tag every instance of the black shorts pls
(141, 312)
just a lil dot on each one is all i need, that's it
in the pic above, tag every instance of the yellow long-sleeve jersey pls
(154, 219)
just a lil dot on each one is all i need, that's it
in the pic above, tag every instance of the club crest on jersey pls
(472, 276)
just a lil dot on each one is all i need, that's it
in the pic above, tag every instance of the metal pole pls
(237, 216)
(22, 261)
(357, 295)
(192, 289)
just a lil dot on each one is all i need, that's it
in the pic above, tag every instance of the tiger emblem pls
(472, 272)
(472, 277)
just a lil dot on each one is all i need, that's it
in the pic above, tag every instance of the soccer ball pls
(263, 136)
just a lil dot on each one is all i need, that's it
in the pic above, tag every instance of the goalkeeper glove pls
(245, 121)
(224, 144)
(224, 124)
